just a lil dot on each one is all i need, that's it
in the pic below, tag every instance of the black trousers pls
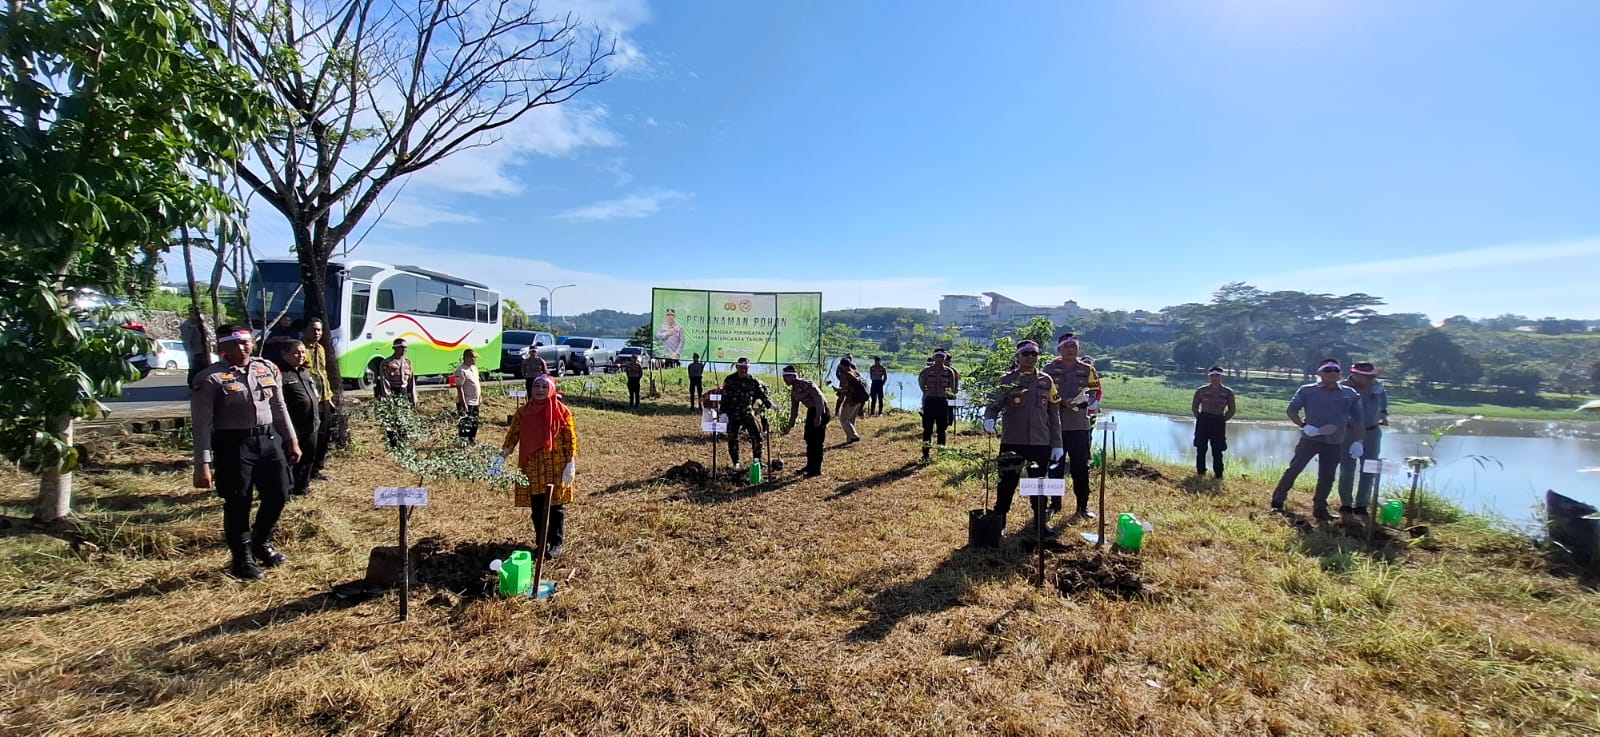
(746, 421)
(558, 521)
(197, 363)
(300, 473)
(816, 434)
(633, 390)
(1014, 461)
(467, 426)
(935, 416)
(242, 460)
(695, 390)
(1327, 455)
(319, 453)
(1076, 443)
(875, 396)
(1209, 431)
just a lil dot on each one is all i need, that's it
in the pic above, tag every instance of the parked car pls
(516, 345)
(169, 355)
(590, 354)
(640, 354)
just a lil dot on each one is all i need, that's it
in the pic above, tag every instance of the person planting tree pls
(548, 439)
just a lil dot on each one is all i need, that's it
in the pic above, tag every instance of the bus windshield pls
(275, 286)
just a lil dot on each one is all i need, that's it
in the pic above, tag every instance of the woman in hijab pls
(301, 393)
(549, 439)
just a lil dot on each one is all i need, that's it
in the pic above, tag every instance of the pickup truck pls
(590, 354)
(516, 345)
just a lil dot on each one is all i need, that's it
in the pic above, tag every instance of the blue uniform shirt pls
(1338, 407)
(1374, 404)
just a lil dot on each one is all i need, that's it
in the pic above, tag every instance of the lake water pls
(1522, 458)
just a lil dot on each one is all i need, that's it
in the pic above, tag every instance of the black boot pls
(244, 565)
(558, 531)
(1200, 463)
(267, 555)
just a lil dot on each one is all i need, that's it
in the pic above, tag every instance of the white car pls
(169, 355)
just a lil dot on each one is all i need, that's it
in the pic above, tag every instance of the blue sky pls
(1440, 155)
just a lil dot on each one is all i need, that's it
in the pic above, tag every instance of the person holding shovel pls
(1375, 414)
(805, 392)
(1079, 387)
(1332, 413)
(740, 393)
(1030, 437)
(548, 440)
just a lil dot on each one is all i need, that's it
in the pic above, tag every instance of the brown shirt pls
(805, 392)
(633, 369)
(230, 397)
(1071, 380)
(1213, 400)
(397, 378)
(1028, 403)
(938, 382)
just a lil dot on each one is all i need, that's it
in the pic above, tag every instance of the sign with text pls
(517, 393)
(957, 403)
(711, 421)
(765, 327)
(1387, 468)
(400, 496)
(1108, 425)
(1042, 487)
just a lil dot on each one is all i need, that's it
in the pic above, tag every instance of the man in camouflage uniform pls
(740, 393)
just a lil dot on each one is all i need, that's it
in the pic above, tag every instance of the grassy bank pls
(844, 604)
(1267, 401)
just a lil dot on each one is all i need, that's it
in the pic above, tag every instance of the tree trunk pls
(216, 282)
(313, 281)
(55, 487)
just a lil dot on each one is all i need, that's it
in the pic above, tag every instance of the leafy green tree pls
(1523, 378)
(99, 167)
(1193, 351)
(1276, 355)
(641, 336)
(1039, 330)
(1154, 355)
(1431, 355)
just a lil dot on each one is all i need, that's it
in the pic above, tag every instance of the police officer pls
(805, 392)
(697, 372)
(740, 392)
(240, 418)
(1031, 435)
(1332, 413)
(879, 374)
(939, 383)
(1375, 414)
(635, 371)
(396, 378)
(1079, 386)
(1213, 405)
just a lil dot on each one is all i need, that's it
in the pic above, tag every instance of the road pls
(164, 394)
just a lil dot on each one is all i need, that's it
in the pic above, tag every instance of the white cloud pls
(1467, 260)
(409, 213)
(632, 206)
(557, 130)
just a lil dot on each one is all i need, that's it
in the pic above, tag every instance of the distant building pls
(970, 309)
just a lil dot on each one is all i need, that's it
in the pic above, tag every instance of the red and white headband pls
(1328, 365)
(1215, 372)
(236, 335)
(1357, 369)
(1066, 340)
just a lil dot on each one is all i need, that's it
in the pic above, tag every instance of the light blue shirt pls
(1374, 403)
(1338, 407)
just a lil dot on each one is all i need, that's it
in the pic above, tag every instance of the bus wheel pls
(370, 376)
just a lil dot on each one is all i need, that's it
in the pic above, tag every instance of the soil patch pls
(688, 472)
(1133, 468)
(1079, 570)
(462, 568)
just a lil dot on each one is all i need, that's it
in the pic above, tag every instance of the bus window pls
(398, 293)
(360, 296)
(494, 307)
(431, 299)
(483, 311)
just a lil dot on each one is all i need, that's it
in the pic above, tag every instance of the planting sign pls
(765, 327)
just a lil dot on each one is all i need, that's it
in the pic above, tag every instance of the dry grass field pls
(839, 605)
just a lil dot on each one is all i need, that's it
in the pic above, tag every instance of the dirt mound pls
(1132, 467)
(688, 472)
(1079, 570)
(462, 567)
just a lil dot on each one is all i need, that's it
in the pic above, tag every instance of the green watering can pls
(516, 572)
(1130, 532)
(1392, 512)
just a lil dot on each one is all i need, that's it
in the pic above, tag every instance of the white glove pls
(1094, 406)
(988, 426)
(498, 465)
(1081, 400)
(1057, 454)
(1311, 431)
(1356, 449)
(570, 473)
(722, 419)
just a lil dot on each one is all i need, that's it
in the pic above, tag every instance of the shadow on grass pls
(137, 467)
(271, 616)
(128, 502)
(149, 588)
(887, 477)
(1201, 485)
(727, 488)
(940, 590)
(1335, 543)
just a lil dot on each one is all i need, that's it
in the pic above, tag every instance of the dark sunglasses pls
(1028, 353)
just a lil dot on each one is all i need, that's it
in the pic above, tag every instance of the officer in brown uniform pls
(396, 378)
(1030, 436)
(1212, 407)
(635, 371)
(805, 393)
(939, 383)
(240, 419)
(1079, 386)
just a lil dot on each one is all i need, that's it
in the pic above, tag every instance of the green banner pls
(765, 327)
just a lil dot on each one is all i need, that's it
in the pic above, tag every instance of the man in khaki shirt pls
(1030, 436)
(323, 370)
(1079, 386)
(939, 384)
(240, 418)
(805, 392)
(1212, 407)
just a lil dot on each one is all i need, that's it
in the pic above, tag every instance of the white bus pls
(370, 304)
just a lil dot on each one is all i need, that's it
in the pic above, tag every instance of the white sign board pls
(517, 393)
(714, 397)
(1387, 468)
(714, 426)
(958, 403)
(591, 386)
(400, 496)
(1110, 425)
(1042, 487)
